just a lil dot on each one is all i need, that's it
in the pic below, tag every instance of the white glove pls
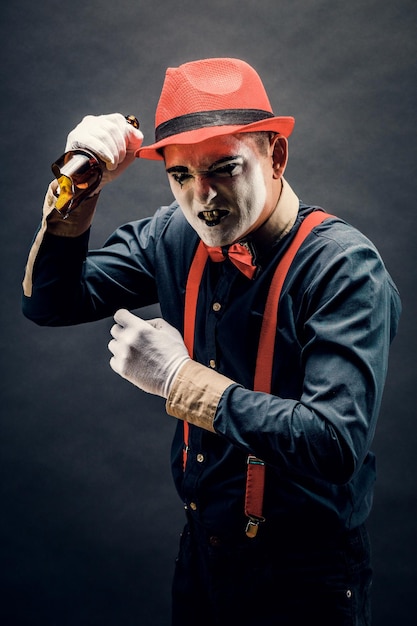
(111, 138)
(148, 354)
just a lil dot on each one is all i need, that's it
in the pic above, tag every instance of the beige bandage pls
(195, 394)
(75, 225)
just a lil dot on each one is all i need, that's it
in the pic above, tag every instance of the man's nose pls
(204, 190)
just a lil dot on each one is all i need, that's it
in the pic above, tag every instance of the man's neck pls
(280, 221)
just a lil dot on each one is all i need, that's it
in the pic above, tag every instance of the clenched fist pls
(148, 354)
(111, 138)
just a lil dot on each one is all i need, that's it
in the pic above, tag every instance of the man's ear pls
(279, 145)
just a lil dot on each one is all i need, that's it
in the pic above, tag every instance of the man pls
(287, 315)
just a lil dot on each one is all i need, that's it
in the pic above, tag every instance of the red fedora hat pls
(208, 98)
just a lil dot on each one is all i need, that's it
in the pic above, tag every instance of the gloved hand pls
(148, 354)
(111, 138)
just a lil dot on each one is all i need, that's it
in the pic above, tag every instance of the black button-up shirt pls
(338, 313)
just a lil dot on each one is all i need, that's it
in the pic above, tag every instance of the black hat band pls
(203, 119)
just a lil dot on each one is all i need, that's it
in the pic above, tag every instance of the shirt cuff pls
(195, 394)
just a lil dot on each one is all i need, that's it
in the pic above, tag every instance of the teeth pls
(213, 217)
(210, 216)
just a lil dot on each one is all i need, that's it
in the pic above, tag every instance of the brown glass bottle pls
(79, 173)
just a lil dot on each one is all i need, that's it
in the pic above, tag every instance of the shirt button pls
(212, 363)
(200, 458)
(217, 306)
(193, 506)
(214, 541)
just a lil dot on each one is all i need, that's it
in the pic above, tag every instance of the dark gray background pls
(89, 517)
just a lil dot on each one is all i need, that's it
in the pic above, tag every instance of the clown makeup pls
(226, 186)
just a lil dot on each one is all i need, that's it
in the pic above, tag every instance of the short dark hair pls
(262, 139)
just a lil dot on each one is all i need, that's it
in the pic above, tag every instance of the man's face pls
(226, 186)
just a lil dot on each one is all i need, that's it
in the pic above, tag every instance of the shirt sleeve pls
(53, 223)
(67, 284)
(346, 315)
(346, 320)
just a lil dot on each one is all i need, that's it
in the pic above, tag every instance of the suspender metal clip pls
(252, 526)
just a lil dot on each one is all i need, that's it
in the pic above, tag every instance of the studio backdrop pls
(89, 519)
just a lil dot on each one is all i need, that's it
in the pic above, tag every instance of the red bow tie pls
(239, 254)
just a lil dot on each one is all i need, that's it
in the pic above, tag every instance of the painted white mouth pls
(213, 217)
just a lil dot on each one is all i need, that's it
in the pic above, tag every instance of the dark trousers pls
(264, 582)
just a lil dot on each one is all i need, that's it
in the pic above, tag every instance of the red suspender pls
(190, 310)
(255, 474)
(264, 361)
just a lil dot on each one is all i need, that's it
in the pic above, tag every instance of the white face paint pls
(225, 186)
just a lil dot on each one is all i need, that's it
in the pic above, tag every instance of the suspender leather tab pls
(255, 482)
